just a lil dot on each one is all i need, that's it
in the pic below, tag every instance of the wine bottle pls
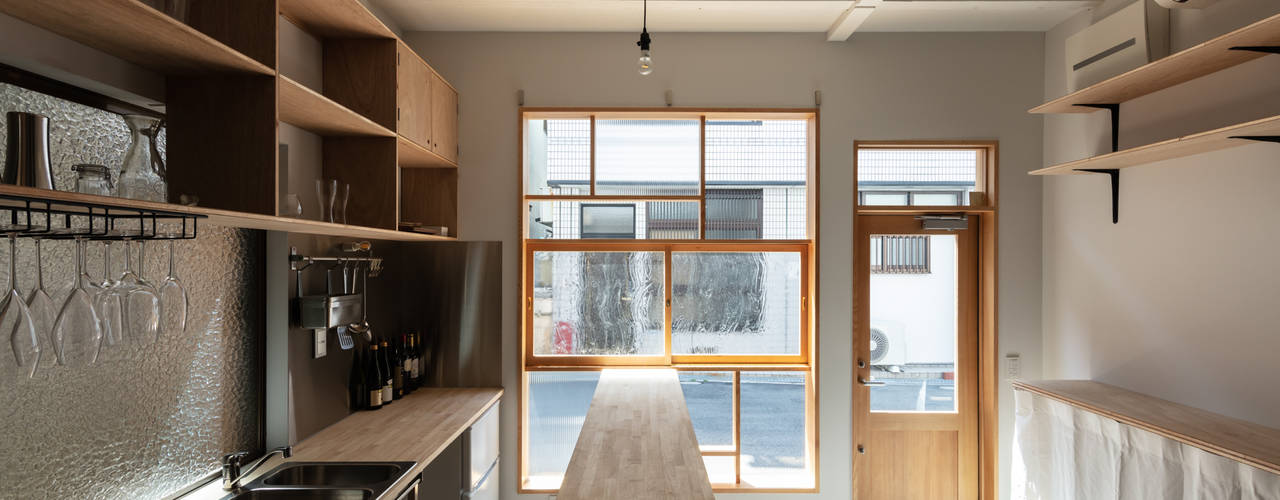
(417, 359)
(397, 371)
(388, 393)
(372, 375)
(406, 359)
(356, 393)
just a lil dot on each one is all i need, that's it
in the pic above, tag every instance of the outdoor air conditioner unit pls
(1127, 39)
(888, 343)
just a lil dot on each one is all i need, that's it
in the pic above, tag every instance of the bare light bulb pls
(645, 64)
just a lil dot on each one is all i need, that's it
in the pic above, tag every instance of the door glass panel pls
(598, 303)
(913, 322)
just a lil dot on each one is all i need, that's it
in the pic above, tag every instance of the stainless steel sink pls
(337, 474)
(325, 481)
(303, 494)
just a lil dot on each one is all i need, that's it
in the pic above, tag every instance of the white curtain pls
(1065, 453)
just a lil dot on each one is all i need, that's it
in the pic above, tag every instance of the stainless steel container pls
(329, 311)
(27, 159)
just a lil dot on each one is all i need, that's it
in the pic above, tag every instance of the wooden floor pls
(637, 442)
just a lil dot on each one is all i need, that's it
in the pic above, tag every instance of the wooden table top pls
(1238, 440)
(637, 442)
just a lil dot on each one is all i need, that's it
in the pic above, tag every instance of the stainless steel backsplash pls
(144, 421)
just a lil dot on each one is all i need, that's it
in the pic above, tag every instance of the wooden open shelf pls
(134, 31)
(1253, 444)
(229, 218)
(312, 111)
(414, 156)
(1209, 57)
(1202, 142)
(335, 18)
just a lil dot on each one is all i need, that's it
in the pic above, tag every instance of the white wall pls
(877, 86)
(1179, 300)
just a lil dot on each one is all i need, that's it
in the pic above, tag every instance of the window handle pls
(870, 383)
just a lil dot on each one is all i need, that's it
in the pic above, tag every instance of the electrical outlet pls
(322, 341)
(1013, 365)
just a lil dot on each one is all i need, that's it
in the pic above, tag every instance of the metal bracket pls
(1115, 189)
(1259, 138)
(1115, 121)
(1262, 49)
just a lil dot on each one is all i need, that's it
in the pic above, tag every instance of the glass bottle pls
(92, 179)
(142, 175)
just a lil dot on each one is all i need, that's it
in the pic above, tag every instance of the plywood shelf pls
(1202, 142)
(335, 18)
(229, 218)
(312, 111)
(413, 155)
(1249, 443)
(1209, 57)
(134, 31)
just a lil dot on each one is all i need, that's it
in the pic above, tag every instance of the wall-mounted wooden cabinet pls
(377, 106)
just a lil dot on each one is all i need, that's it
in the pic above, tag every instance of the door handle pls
(870, 383)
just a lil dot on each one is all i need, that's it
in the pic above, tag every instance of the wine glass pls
(109, 302)
(141, 302)
(78, 326)
(41, 306)
(173, 299)
(22, 337)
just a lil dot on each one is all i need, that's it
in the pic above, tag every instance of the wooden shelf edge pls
(229, 218)
(1246, 442)
(310, 110)
(143, 35)
(1178, 147)
(1163, 73)
(335, 19)
(413, 155)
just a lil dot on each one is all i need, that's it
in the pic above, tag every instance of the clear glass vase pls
(142, 175)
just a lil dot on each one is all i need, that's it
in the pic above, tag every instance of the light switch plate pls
(1013, 365)
(322, 341)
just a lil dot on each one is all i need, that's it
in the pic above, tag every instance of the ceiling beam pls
(849, 21)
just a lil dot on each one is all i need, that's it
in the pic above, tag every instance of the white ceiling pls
(815, 16)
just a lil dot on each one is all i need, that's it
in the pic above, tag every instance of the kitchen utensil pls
(362, 328)
(141, 302)
(78, 330)
(13, 310)
(41, 307)
(27, 158)
(344, 338)
(173, 300)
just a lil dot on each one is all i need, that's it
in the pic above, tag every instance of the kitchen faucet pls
(231, 463)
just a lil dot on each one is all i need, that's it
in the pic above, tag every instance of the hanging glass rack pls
(35, 217)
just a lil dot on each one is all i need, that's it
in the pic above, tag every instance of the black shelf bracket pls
(1262, 49)
(1115, 189)
(1259, 138)
(1115, 121)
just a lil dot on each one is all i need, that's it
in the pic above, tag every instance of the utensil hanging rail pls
(375, 263)
(35, 217)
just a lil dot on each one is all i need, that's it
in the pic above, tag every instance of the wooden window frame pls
(805, 362)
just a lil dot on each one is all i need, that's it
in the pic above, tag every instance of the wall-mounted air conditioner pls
(1127, 39)
(888, 344)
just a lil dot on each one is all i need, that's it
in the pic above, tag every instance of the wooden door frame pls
(988, 339)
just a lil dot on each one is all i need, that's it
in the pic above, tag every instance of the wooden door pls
(915, 418)
(413, 96)
(444, 119)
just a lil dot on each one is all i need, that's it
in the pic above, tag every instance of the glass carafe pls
(142, 176)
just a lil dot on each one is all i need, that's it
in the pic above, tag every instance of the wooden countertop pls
(416, 428)
(1238, 440)
(637, 442)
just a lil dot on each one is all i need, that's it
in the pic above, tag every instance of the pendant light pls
(645, 64)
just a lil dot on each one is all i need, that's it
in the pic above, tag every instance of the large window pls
(675, 239)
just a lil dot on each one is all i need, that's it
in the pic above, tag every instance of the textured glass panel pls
(773, 429)
(558, 403)
(735, 303)
(913, 333)
(756, 172)
(939, 199)
(709, 396)
(916, 170)
(720, 469)
(649, 157)
(871, 198)
(558, 156)
(608, 220)
(674, 220)
(144, 421)
(598, 303)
